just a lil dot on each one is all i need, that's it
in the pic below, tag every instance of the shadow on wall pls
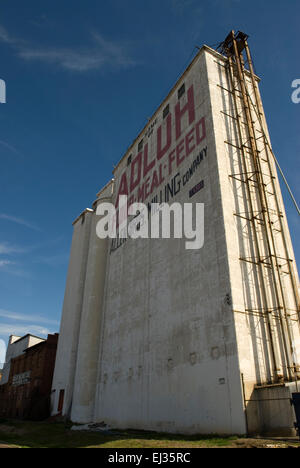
(270, 413)
(35, 407)
(256, 322)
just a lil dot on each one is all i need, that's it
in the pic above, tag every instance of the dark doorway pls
(61, 401)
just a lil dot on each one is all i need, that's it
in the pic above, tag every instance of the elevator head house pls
(158, 337)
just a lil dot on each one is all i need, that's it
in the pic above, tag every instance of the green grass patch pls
(59, 435)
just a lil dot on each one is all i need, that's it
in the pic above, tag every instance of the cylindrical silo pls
(89, 338)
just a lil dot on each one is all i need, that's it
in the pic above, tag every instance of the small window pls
(181, 91)
(166, 111)
(129, 160)
(141, 144)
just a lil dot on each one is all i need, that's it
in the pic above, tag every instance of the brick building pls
(26, 395)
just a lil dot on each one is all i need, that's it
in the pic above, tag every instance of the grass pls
(59, 435)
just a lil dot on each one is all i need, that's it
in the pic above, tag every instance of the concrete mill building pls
(157, 337)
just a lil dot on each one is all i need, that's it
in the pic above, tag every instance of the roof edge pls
(201, 50)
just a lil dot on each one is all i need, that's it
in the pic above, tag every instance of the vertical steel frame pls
(258, 173)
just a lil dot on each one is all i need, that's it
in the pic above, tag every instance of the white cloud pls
(13, 270)
(11, 148)
(101, 54)
(20, 221)
(26, 318)
(66, 58)
(7, 329)
(53, 260)
(22, 324)
(7, 249)
(81, 60)
(4, 263)
(5, 37)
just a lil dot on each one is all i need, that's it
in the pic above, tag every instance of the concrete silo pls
(158, 337)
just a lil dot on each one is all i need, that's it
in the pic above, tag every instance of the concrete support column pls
(90, 327)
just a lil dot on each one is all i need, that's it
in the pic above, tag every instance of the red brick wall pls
(30, 400)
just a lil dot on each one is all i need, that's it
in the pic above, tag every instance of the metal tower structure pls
(262, 212)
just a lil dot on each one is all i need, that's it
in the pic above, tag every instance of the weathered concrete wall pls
(67, 349)
(269, 412)
(168, 358)
(251, 318)
(158, 337)
(90, 323)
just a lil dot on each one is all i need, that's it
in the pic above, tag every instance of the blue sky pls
(82, 78)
